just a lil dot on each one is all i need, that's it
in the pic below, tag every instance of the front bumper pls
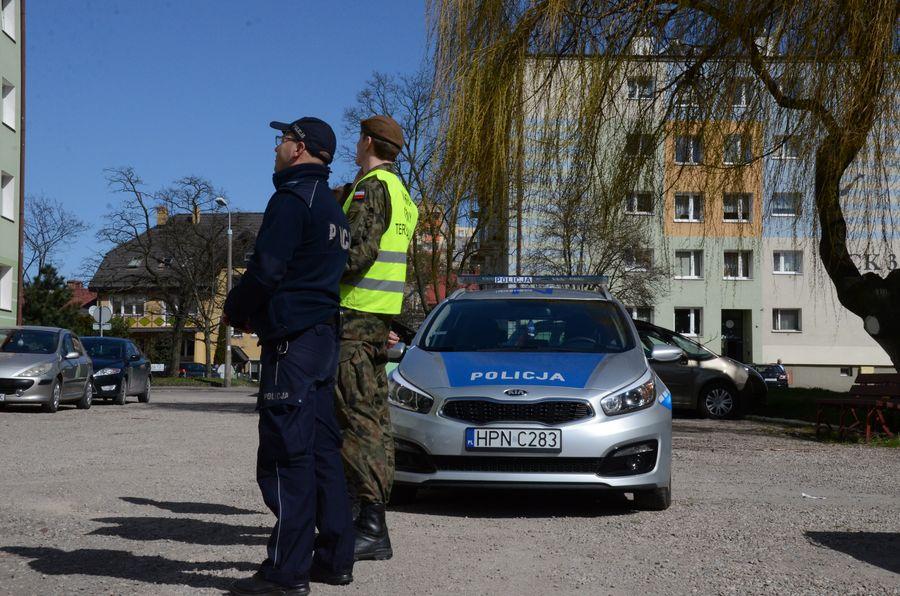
(587, 447)
(107, 385)
(26, 390)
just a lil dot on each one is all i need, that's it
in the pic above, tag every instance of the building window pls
(8, 18)
(135, 262)
(788, 261)
(741, 93)
(641, 87)
(786, 147)
(638, 259)
(688, 264)
(640, 313)
(737, 264)
(128, 306)
(639, 203)
(6, 293)
(9, 104)
(736, 207)
(7, 197)
(688, 150)
(786, 319)
(689, 207)
(689, 321)
(686, 97)
(737, 149)
(786, 204)
(638, 145)
(846, 371)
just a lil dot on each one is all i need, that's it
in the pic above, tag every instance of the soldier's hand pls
(392, 339)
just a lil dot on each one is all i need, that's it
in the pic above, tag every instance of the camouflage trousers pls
(362, 412)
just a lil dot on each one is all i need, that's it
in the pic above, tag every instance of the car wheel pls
(86, 397)
(55, 395)
(145, 396)
(656, 499)
(121, 397)
(718, 401)
(403, 494)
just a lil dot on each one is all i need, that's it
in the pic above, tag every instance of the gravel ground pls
(161, 499)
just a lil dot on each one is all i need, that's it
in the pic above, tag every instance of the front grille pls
(532, 465)
(12, 385)
(485, 411)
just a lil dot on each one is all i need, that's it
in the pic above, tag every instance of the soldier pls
(382, 220)
(289, 295)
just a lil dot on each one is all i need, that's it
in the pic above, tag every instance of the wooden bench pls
(873, 400)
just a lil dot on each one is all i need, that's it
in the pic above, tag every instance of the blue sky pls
(175, 88)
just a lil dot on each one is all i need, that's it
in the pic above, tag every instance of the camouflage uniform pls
(361, 391)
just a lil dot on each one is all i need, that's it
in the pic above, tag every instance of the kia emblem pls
(515, 392)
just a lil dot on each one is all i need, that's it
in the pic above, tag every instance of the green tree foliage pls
(47, 301)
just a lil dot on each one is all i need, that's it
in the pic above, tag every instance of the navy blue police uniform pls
(289, 296)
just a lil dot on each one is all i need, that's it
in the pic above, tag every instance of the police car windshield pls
(528, 325)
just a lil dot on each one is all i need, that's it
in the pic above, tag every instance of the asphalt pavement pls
(161, 498)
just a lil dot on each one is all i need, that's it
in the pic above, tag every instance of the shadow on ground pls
(189, 531)
(123, 565)
(513, 503)
(881, 549)
(191, 508)
(248, 407)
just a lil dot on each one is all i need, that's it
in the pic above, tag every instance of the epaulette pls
(305, 190)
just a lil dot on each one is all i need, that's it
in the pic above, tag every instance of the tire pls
(718, 401)
(87, 396)
(403, 494)
(145, 396)
(121, 397)
(55, 396)
(656, 499)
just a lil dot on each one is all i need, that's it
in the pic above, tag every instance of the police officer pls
(382, 220)
(289, 296)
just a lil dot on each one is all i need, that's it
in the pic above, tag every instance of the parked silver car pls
(44, 366)
(532, 387)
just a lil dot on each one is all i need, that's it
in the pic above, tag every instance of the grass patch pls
(199, 382)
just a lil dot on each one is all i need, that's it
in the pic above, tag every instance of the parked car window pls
(78, 345)
(27, 341)
(103, 349)
(651, 337)
(68, 346)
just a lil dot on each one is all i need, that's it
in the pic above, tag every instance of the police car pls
(530, 382)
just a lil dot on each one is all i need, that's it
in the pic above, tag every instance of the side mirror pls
(396, 353)
(134, 357)
(666, 354)
(72, 355)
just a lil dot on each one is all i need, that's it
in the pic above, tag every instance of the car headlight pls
(403, 395)
(633, 399)
(38, 370)
(107, 371)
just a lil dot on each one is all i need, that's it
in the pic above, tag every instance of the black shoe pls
(372, 540)
(256, 585)
(322, 575)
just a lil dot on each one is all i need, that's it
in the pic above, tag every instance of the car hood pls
(100, 363)
(539, 373)
(12, 364)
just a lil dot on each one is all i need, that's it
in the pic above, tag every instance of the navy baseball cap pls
(315, 133)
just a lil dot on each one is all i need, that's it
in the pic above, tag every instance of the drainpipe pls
(21, 287)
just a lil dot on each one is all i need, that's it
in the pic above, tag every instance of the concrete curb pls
(785, 421)
(243, 390)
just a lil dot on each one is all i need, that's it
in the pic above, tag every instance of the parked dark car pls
(120, 369)
(195, 370)
(773, 374)
(713, 385)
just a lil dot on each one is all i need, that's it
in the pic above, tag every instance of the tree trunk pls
(177, 339)
(207, 342)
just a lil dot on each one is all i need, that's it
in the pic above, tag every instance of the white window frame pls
(635, 313)
(742, 216)
(695, 206)
(696, 260)
(743, 149)
(744, 264)
(8, 18)
(695, 318)
(783, 142)
(798, 200)
(6, 293)
(695, 148)
(7, 196)
(637, 86)
(743, 88)
(9, 104)
(778, 262)
(127, 306)
(637, 264)
(686, 97)
(632, 203)
(777, 322)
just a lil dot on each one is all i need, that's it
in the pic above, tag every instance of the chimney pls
(74, 284)
(195, 217)
(162, 215)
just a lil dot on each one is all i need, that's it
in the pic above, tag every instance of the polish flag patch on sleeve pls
(359, 195)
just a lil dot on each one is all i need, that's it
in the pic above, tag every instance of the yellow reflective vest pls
(380, 288)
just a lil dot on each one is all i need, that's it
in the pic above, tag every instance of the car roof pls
(93, 338)
(35, 328)
(527, 293)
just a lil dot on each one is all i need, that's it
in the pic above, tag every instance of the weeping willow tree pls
(554, 103)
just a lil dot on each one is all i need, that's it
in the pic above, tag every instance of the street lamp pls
(221, 202)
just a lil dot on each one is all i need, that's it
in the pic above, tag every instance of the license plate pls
(513, 439)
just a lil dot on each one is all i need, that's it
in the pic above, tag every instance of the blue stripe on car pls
(504, 368)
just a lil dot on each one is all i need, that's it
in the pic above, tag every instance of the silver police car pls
(532, 385)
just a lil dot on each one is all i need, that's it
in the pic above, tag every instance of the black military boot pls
(372, 540)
